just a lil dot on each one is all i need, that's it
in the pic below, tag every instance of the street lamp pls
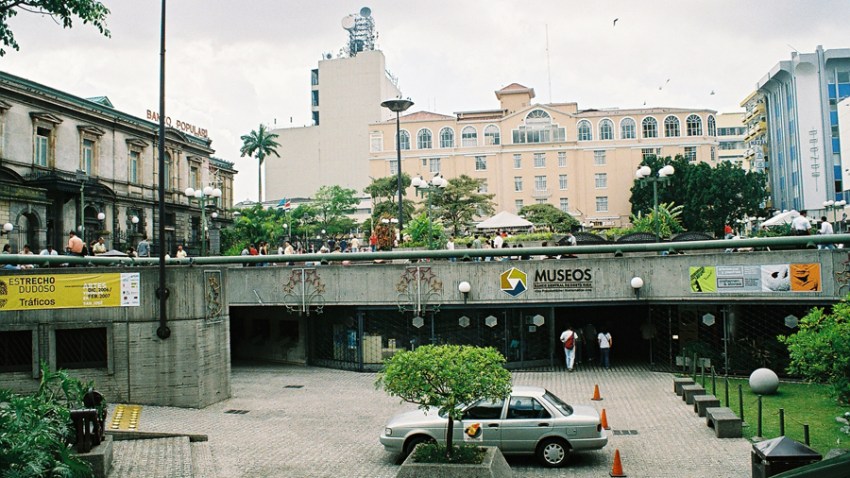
(644, 175)
(397, 106)
(427, 188)
(835, 206)
(82, 177)
(135, 221)
(202, 196)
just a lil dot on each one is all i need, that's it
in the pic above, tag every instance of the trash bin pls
(772, 457)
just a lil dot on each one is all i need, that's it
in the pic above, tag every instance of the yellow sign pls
(68, 291)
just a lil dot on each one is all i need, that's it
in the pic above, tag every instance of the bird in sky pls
(615, 21)
(712, 93)
(665, 84)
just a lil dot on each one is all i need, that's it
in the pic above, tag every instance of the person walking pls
(800, 225)
(825, 230)
(569, 339)
(143, 248)
(604, 341)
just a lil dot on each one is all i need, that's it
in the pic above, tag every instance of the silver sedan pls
(531, 421)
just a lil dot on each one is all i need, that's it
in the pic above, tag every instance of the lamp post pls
(835, 206)
(135, 221)
(82, 177)
(397, 106)
(202, 196)
(644, 175)
(427, 188)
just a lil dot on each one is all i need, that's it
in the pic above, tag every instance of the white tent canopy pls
(504, 220)
(781, 218)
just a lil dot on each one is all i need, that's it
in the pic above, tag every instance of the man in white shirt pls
(604, 340)
(825, 229)
(800, 225)
(570, 339)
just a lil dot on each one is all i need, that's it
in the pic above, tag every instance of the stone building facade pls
(70, 163)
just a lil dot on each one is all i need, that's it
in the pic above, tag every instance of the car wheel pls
(413, 441)
(553, 452)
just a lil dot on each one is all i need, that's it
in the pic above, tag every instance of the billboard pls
(69, 291)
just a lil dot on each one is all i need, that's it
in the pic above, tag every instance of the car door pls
(481, 423)
(526, 421)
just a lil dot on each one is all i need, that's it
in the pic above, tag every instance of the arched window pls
(671, 127)
(492, 136)
(447, 138)
(537, 114)
(404, 139)
(627, 128)
(694, 125)
(585, 132)
(606, 129)
(712, 126)
(468, 137)
(538, 128)
(423, 139)
(650, 127)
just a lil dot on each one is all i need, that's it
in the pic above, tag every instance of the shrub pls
(467, 454)
(36, 429)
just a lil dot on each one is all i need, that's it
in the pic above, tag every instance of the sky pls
(233, 65)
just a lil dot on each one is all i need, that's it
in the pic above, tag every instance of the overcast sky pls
(232, 65)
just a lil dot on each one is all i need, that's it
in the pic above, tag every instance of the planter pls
(493, 465)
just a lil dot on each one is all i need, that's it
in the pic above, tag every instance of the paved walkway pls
(315, 422)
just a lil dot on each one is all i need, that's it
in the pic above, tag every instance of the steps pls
(172, 457)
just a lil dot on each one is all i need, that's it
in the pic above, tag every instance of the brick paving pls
(329, 428)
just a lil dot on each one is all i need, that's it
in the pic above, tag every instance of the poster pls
(750, 279)
(69, 291)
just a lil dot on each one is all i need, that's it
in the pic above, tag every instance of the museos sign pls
(563, 279)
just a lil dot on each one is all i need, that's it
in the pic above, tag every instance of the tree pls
(461, 202)
(384, 193)
(710, 197)
(252, 226)
(418, 229)
(332, 204)
(62, 11)
(549, 216)
(669, 221)
(259, 143)
(446, 377)
(820, 350)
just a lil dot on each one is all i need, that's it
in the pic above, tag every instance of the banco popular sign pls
(557, 279)
(69, 291)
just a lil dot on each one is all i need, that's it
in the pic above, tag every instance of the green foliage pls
(669, 220)
(332, 204)
(820, 350)
(775, 231)
(711, 197)
(446, 377)
(466, 454)
(62, 11)
(417, 228)
(460, 203)
(384, 193)
(254, 225)
(259, 143)
(35, 429)
(547, 215)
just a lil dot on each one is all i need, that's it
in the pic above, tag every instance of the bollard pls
(759, 419)
(684, 364)
(782, 422)
(694, 368)
(806, 433)
(741, 402)
(702, 372)
(726, 381)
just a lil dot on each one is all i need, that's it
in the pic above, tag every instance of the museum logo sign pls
(561, 279)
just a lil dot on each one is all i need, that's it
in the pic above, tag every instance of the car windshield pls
(562, 406)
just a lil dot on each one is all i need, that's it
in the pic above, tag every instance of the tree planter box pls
(493, 465)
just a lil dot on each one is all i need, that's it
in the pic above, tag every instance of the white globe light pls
(644, 171)
(666, 171)
(134, 219)
(216, 193)
(8, 227)
(417, 182)
(208, 191)
(828, 203)
(101, 216)
(199, 194)
(637, 282)
(464, 287)
(841, 203)
(189, 192)
(215, 215)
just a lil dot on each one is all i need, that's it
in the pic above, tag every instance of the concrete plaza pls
(315, 422)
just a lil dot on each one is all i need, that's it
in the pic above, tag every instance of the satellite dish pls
(348, 22)
(328, 56)
(365, 12)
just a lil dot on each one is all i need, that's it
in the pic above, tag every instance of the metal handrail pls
(723, 244)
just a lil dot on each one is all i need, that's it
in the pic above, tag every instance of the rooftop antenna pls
(548, 64)
(361, 32)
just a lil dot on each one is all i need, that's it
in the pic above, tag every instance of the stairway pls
(173, 457)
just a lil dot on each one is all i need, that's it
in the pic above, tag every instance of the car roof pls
(528, 389)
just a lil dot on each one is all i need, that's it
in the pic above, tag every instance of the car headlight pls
(388, 432)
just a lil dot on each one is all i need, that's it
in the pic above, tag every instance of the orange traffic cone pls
(596, 395)
(604, 419)
(617, 469)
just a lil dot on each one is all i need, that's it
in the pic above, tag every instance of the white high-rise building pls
(346, 98)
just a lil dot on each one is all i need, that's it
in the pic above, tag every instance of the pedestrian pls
(7, 249)
(288, 250)
(245, 252)
(355, 244)
(49, 251)
(181, 253)
(569, 339)
(825, 230)
(131, 252)
(572, 242)
(75, 244)
(143, 248)
(800, 226)
(604, 341)
(99, 247)
(373, 241)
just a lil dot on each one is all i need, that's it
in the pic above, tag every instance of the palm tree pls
(259, 143)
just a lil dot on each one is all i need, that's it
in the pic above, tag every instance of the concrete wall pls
(189, 369)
